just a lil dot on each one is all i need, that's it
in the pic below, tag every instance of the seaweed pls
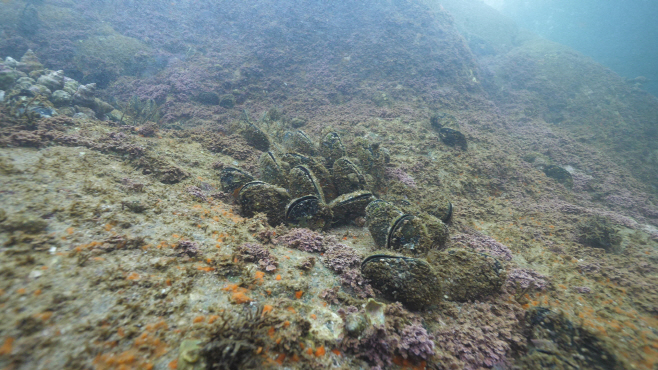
(139, 111)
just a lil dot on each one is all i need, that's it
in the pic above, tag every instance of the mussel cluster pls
(297, 187)
(411, 266)
(317, 186)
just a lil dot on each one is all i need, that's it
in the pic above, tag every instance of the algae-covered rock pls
(560, 175)
(226, 101)
(189, 356)
(26, 223)
(558, 343)
(466, 275)
(598, 232)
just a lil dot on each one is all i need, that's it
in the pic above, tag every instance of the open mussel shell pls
(309, 212)
(351, 205)
(347, 176)
(232, 179)
(272, 170)
(321, 173)
(256, 137)
(258, 196)
(411, 281)
(332, 148)
(405, 234)
(468, 275)
(439, 206)
(416, 235)
(303, 182)
(299, 142)
(379, 215)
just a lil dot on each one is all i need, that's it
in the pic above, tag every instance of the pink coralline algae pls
(252, 252)
(525, 278)
(483, 244)
(187, 247)
(479, 335)
(399, 174)
(346, 261)
(582, 289)
(416, 343)
(305, 240)
(196, 192)
(339, 258)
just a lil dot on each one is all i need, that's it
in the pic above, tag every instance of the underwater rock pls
(297, 122)
(38, 89)
(61, 98)
(410, 281)
(189, 355)
(29, 62)
(53, 80)
(8, 77)
(226, 101)
(468, 276)
(11, 62)
(440, 119)
(84, 95)
(208, 98)
(70, 85)
(556, 342)
(453, 137)
(27, 224)
(598, 232)
(559, 174)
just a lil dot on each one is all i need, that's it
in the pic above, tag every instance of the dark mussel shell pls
(351, 205)
(332, 148)
(303, 182)
(256, 137)
(301, 143)
(347, 176)
(319, 170)
(379, 214)
(232, 179)
(404, 234)
(258, 196)
(452, 137)
(468, 275)
(416, 234)
(310, 212)
(272, 170)
(411, 281)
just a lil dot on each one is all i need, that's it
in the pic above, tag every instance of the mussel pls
(351, 205)
(232, 179)
(310, 212)
(332, 148)
(411, 281)
(347, 176)
(303, 182)
(258, 196)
